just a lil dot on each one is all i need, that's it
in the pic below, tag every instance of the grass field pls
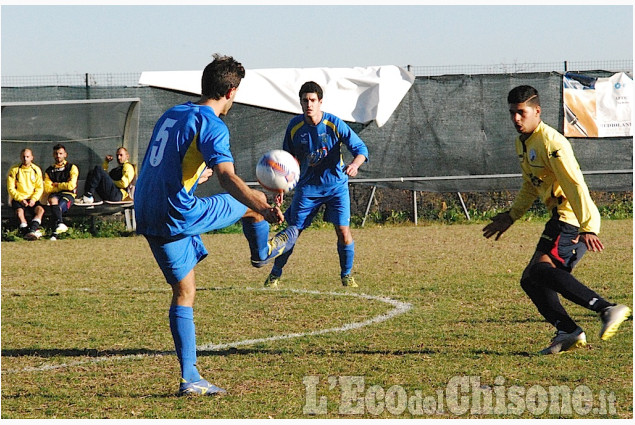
(446, 325)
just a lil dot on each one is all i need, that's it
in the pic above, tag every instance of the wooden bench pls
(77, 210)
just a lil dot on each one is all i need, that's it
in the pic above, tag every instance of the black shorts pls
(18, 206)
(557, 242)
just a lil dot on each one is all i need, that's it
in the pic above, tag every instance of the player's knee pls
(262, 197)
(252, 216)
(526, 282)
(344, 235)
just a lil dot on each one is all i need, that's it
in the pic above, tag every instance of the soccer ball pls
(278, 171)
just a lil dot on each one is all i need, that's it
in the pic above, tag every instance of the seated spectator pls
(60, 186)
(114, 186)
(25, 186)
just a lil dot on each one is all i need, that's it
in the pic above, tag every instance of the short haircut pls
(311, 87)
(58, 147)
(24, 150)
(221, 75)
(522, 94)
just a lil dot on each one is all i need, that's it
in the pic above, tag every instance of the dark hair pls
(221, 75)
(311, 87)
(522, 94)
(58, 147)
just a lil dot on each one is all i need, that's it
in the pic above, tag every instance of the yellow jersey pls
(551, 172)
(25, 182)
(123, 177)
(64, 176)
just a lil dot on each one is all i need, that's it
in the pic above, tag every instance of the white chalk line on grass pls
(399, 307)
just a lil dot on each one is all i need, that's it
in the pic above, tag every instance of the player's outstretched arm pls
(253, 199)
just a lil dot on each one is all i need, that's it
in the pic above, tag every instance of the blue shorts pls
(64, 199)
(177, 256)
(304, 207)
(557, 242)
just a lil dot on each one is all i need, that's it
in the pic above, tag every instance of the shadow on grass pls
(50, 353)
(53, 352)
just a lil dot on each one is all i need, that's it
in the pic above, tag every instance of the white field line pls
(398, 308)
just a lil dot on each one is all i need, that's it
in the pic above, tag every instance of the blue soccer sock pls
(257, 234)
(184, 335)
(347, 255)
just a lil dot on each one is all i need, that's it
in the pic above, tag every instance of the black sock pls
(56, 210)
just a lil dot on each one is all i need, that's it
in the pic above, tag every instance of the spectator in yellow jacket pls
(60, 186)
(115, 185)
(26, 186)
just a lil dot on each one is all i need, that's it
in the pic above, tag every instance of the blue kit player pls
(315, 138)
(189, 144)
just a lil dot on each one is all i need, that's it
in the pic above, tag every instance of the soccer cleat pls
(612, 317)
(564, 341)
(24, 230)
(87, 201)
(349, 281)
(84, 200)
(272, 281)
(33, 235)
(61, 228)
(200, 387)
(278, 245)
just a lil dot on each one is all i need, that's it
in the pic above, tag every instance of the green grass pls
(94, 311)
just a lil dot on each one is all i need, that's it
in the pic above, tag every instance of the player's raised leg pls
(264, 250)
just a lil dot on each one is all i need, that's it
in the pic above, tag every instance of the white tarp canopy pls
(353, 94)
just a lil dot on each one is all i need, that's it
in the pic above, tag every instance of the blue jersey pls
(185, 139)
(318, 148)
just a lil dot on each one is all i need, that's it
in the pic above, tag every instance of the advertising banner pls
(597, 107)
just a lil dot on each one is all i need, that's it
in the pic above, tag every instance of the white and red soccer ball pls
(278, 171)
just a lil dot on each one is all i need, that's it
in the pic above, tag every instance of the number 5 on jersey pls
(158, 145)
